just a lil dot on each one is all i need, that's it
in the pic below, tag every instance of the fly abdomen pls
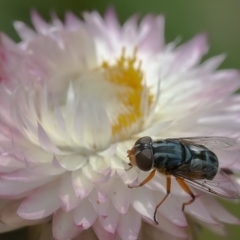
(204, 162)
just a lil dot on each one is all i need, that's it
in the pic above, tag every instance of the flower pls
(75, 95)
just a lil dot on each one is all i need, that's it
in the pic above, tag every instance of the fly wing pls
(211, 142)
(222, 185)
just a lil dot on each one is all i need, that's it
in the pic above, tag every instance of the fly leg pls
(150, 176)
(168, 188)
(186, 188)
(130, 167)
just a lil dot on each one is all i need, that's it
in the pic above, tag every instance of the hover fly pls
(189, 160)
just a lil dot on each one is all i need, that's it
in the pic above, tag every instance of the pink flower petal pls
(22, 175)
(25, 33)
(217, 210)
(112, 22)
(143, 201)
(11, 189)
(199, 211)
(120, 196)
(42, 203)
(63, 226)
(171, 209)
(101, 233)
(109, 222)
(189, 54)
(39, 24)
(8, 215)
(94, 176)
(84, 215)
(129, 225)
(100, 207)
(72, 22)
(9, 164)
(167, 226)
(82, 186)
(152, 34)
(67, 194)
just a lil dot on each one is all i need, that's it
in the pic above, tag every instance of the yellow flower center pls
(126, 72)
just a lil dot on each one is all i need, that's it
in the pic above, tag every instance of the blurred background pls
(220, 19)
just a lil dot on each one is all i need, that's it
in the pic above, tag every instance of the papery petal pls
(143, 202)
(24, 31)
(129, 225)
(71, 162)
(120, 196)
(109, 223)
(101, 233)
(166, 226)
(199, 211)
(8, 215)
(151, 33)
(100, 207)
(39, 24)
(67, 194)
(82, 186)
(63, 226)
(9, 189)
(41, 203)
(84, 215)
(171, 209)
(217, 211)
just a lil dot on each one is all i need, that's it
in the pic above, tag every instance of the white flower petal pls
(72, 22)
(190, 53)
(71, 162)
(120, 196)
(8, 215)
(217, 211)
(129, 225)
(84, 215)
(45, 141)
(109, 223)
(22, 175)
(151, 33)
(42, 203)
(9, 164)
(63, 226)
(11, 189)
(100, 207)
(67, 194)
(101, 233)
(110, 151)
(24, 31)
(166, 226)
(170, 209)
(143, 201)
(199, 211)
(82, 186)
(39, 24)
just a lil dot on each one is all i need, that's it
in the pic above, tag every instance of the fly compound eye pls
(144, 159)
(143, 140)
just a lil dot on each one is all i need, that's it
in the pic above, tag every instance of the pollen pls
(127, 72)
